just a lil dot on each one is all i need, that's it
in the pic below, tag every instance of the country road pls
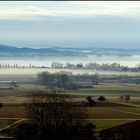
(12, 124)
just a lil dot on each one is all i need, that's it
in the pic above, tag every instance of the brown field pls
(14, 111)
(104, 110)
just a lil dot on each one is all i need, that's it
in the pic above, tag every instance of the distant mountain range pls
(11, 52)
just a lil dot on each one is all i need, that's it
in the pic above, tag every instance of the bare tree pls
(55, 114)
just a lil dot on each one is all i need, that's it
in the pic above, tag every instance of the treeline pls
(19, 66)
(112, 67)
(72, 82)
(95, 66)
(67, 81)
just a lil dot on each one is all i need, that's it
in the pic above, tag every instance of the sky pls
(70, 24)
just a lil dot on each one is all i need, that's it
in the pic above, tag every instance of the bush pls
(101, 98)
(90, 102)
(1, 105)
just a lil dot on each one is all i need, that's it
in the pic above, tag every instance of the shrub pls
(101, 98)
(90, 102)
(1, 105)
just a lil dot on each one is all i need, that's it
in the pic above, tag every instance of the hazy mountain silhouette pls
(17, 52)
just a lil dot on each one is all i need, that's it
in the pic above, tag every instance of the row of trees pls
(97, 66)
(66, 81)
(112, 67)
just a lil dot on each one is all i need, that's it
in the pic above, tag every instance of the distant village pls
(93, 66)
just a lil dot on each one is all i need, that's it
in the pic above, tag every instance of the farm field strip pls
(92, 112)
(111, 119)
(91, 115)
(13, 112)
(128, 112)
(132, 104)
(106, 90)
(12, 118)
(112, 113)
(103, 124)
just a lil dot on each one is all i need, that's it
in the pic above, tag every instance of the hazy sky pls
(70, 24)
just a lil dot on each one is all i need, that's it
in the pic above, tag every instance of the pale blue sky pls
(70, 24)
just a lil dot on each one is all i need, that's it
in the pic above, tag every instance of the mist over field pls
(46, 56)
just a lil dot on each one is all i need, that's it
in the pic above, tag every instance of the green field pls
(114, 90)
(108, 90)
(103, 124)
